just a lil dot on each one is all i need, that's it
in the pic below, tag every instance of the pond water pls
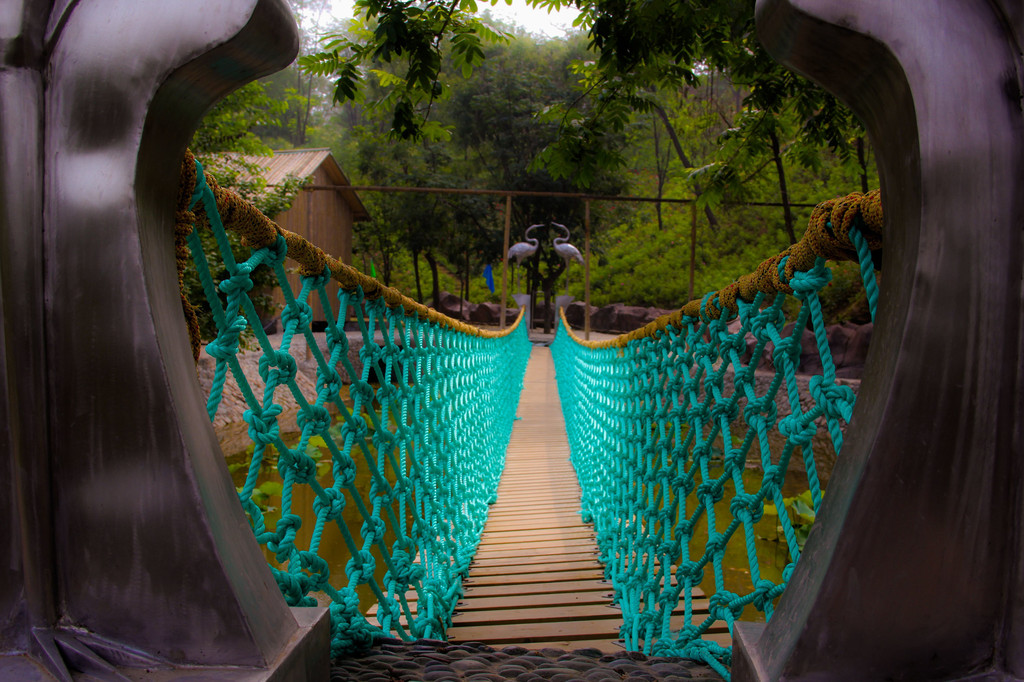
(268, 497)
(771, 550)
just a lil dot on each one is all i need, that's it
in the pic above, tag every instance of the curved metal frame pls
(129, 546)
(914, 568)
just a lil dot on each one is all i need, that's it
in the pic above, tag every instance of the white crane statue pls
(520, 251)
(566, 251)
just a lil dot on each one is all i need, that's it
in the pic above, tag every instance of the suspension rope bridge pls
(660, 424)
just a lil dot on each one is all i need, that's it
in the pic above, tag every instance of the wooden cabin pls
(323, 214)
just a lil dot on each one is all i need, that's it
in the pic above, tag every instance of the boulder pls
(856, 352)
(454, 306)
(488, 313)
(617, 318)
(574, 314)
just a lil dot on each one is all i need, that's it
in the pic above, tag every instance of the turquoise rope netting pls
(662, 425)
(429, 439)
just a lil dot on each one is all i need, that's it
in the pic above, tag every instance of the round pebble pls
(469, 665)
(434, 661)
(529, 677)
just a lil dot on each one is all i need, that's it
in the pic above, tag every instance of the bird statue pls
(520, 251)
(566, 251)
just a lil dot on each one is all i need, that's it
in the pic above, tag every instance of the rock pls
(856, 352)
(617, 318)
(468, 664)
(574, 313)
(487, 313)
(454, 306)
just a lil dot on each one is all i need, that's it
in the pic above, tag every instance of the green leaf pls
(270, 488)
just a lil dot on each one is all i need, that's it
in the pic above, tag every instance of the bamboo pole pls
(586, 272)
(504, 260)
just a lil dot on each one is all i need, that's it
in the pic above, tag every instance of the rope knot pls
(329, 505)
(238, 283)
(745, 504)
(349, 629)
(837, 401)
(263, 427)
(318, 281)
(345, 470)
(725, 602)
(372, 529)
(787, 351)
(690, 571)
(795, 432)
(314, 419)
(284, 368)
(276, 252)
(328, 384)
(225, 346)
(282, 544)
(361, 392)
(302, 466)
(360, 567)
(811, 281)
(336, 337)
(297, 313)
(404, 572)
(763, 593)
(354, 427)
(712, 490)
(319, 572)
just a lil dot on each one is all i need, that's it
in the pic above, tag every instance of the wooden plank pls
(519, 589)
(522, 578)
(526, 544)
(532, 600)
(538, 614)
(548, 534)
(486, 553)
(548, 567)
(521, 500)
(545, 524)
(583, 555)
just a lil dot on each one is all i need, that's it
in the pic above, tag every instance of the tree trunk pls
(435, 279)
(416, 274)
(862, 159)
(787, 210)
(697, 190)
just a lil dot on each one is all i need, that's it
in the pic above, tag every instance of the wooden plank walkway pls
(536, 580)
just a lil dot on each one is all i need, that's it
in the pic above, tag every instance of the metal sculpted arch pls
(127, 545)
(914, 569)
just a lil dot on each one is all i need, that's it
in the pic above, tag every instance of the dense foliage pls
(673, 100)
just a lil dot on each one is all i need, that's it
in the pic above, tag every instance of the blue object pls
(489, 276)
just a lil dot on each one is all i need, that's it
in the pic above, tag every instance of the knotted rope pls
(663, 422)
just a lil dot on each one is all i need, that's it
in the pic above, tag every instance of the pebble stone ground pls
(391, 660)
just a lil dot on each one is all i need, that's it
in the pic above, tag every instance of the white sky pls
(534, 20)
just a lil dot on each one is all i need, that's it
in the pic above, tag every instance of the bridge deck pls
(536, 580)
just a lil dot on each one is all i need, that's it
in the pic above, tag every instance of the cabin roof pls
(302, 163)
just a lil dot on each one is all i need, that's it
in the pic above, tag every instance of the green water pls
(771, 550)
(333, 548)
